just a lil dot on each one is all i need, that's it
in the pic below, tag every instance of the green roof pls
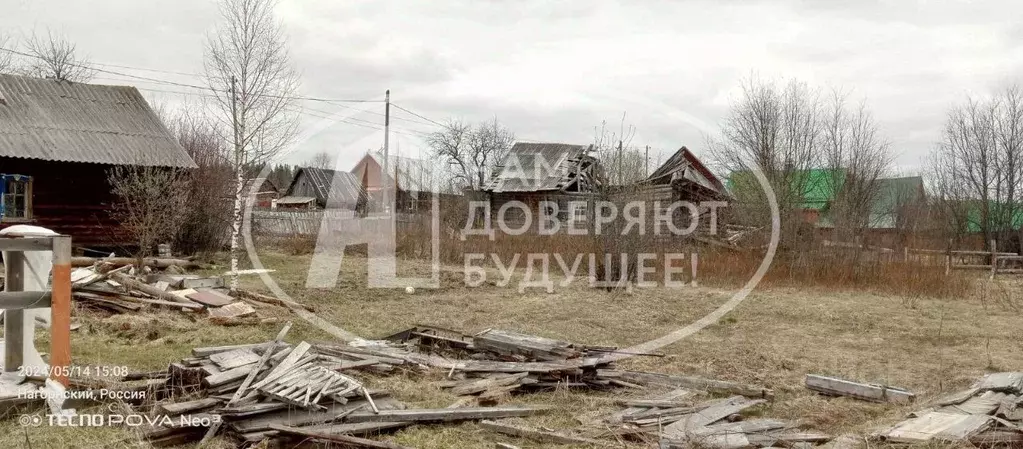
(819, 185)
(974, 214)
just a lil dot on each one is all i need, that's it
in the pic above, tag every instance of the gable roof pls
(331, 187)
(73, 122)
(537, 167)
(413, 175)
(684, 166)
(892, 194)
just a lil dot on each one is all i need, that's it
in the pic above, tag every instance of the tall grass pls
(809, 265)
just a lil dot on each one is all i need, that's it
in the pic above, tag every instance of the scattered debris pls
(986, 414)
(130, 289)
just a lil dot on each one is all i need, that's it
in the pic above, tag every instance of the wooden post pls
(60, 310)
(948, 258)
(694, 259)
(994, 259)
(14, 320)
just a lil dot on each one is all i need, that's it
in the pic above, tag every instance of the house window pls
(17, 197)
(579, 214)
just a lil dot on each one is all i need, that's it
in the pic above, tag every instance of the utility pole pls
(387, 158)
(619, 164)
(646, 162)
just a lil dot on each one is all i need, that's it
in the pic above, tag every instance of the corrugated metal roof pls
(534, 167)
(334, 188)
(74, 122)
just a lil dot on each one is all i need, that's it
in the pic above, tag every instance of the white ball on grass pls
(410, 290)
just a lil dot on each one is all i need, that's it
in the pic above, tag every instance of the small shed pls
(329, 189)
(266, 193)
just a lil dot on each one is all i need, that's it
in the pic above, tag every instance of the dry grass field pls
(774, 338)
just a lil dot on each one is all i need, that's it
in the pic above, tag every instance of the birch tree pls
(249, 68)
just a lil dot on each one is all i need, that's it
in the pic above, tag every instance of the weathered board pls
(937, 426)
(840, 387)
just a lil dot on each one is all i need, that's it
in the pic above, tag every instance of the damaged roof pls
(73, 122)
(536, 167)
(685, 168)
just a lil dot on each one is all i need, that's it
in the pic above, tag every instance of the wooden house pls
(535, 172)
(414, 182)
(59, 139)
(266, 193)
(323, 189)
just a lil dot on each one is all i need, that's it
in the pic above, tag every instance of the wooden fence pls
(284, 223)
(276, 222)
(992, 260)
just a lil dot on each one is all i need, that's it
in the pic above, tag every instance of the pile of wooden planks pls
(685, 417)
(128, 289)
(988, 413)
(280, 392)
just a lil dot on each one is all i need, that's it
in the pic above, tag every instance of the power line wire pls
(420, 116)
(208, 88)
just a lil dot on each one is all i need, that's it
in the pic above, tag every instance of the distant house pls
(414, 181)
(266, 193)
(896, 204)
(536, 172)
(323, 189)
(900, 203)
(58, 139)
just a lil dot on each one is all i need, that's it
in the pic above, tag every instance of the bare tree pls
(6, 57)
(54, 56)
(210, 185)
(856, 158)
(977, 168)
(248, 66)
(321, 160)
(150, 203)
(776, 129)
(472, 150)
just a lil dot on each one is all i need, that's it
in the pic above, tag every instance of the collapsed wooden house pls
(684, 178)
(683, 181)
(535, 172)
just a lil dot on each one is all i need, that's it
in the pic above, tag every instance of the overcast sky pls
(552, 71)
